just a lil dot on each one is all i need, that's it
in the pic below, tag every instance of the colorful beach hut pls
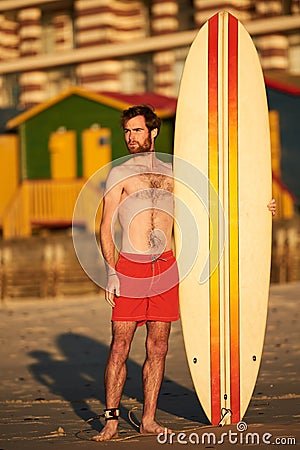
(59, 145)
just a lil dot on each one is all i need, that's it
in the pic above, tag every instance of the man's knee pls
(157, 339)
(119, 349)
(122, 335)
(156, 348)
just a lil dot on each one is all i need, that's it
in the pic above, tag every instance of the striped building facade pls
(165, 20)
(32, 83)
(84, 25)
(106, 22)
(9, 50)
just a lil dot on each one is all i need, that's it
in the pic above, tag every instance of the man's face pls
(137, 135)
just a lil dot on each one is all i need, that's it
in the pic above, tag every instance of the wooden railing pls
(16, 217)
(40, 202)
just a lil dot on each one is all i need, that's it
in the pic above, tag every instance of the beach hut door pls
(62, 147)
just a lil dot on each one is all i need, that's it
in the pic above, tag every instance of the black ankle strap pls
(111, 414)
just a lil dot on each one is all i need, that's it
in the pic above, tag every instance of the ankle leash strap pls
(111, 414)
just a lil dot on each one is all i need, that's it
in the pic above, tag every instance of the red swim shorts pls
(148, 288)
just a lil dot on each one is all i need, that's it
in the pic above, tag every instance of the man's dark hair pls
(151, 119)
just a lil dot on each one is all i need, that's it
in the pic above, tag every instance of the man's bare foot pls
(152, 427)
(110, 431)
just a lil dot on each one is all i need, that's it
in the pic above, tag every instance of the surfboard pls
(222, 172)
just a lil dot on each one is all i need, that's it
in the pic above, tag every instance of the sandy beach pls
(52, 364)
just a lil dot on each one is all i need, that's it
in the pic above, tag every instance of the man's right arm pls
(111, 202)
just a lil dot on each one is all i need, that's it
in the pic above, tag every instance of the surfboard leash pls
(132, 421)
(104, 415)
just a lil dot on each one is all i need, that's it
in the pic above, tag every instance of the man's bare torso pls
(146, 208)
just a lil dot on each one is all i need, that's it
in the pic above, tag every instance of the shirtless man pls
(142, 286)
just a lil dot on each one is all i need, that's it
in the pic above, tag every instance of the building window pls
(48, 35)
(186, 15)
(294, 54)
(58, 32)
(136, 75)
(10, 91)
(59, 80)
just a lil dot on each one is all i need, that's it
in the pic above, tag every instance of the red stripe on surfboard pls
(233, 218)
(213, 143)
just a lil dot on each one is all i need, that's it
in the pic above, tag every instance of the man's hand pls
(272, 206)
(112, 288)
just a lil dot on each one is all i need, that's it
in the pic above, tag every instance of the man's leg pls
(153, 372)
(115, 373)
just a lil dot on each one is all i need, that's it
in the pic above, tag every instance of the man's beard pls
(142, 148)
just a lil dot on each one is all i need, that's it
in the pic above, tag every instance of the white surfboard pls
(222, 135)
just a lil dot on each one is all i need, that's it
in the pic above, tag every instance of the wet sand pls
(52, 363)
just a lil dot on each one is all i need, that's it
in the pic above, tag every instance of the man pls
(142, 286)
